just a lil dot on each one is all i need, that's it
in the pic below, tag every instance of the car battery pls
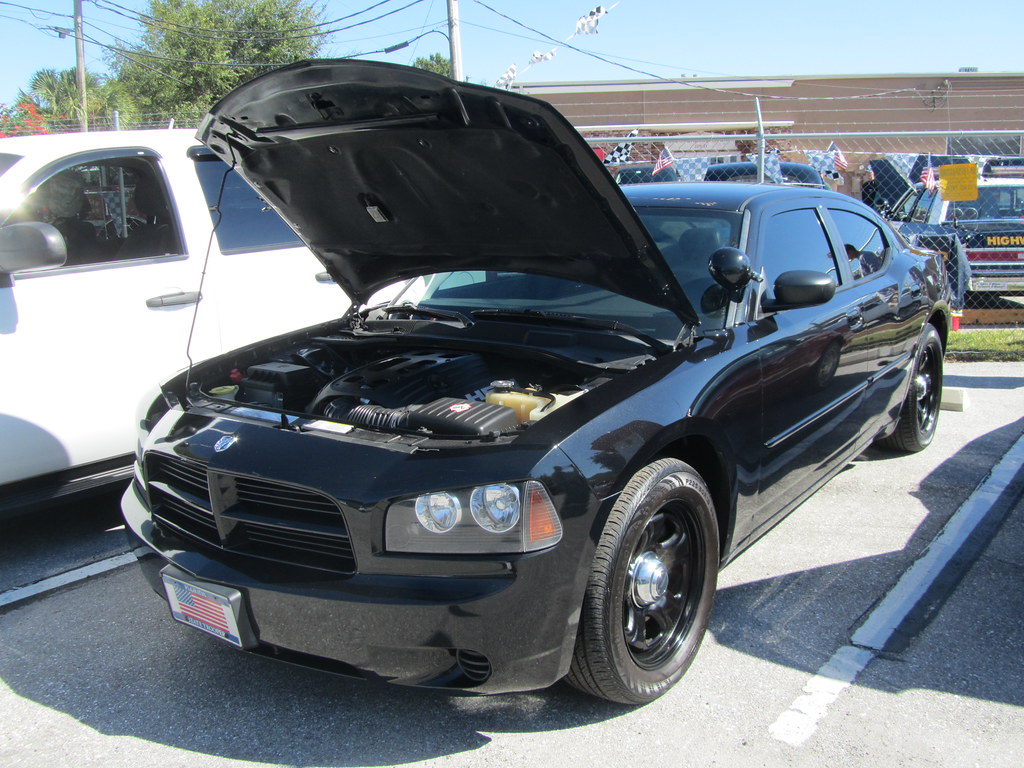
(282, 385)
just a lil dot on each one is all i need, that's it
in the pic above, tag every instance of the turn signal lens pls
(543, 528)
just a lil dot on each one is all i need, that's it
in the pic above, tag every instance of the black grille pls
(180, 496)
(187, 518)
(186, 476)
(249, 515)
(273, 499)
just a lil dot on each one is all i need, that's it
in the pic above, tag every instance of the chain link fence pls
(126, 122)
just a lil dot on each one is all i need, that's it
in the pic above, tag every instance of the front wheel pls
(651, 587)
(919, 416)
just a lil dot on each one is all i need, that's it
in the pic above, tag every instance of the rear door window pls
(862, 240)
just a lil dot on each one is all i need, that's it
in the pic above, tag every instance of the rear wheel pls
(920, 413)
(651, 587)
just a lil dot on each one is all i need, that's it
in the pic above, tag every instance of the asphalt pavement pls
(97, 674)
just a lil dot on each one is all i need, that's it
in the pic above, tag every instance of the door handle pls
(173, 299)
(855, 319)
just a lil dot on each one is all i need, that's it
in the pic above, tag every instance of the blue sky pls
(636, 38)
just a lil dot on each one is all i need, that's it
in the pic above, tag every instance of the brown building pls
(917, 105)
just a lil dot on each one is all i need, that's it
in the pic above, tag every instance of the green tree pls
(192, 52)
(435, 63)
(55, 95)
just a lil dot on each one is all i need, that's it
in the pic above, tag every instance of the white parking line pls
(63, 579)
(799, 722)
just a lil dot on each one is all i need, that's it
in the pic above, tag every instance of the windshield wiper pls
(579, 321)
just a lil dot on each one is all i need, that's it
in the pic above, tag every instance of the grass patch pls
(1004, 344)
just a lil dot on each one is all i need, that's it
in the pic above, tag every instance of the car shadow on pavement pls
(786, 619)
(106, 653)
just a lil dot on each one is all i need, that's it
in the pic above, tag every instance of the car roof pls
(795, 173)
(723, 195)
(68, 143)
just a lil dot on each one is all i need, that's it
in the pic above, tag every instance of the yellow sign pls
(1004, 240)
(959, 182)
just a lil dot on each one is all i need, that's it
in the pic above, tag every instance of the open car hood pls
(389, 172)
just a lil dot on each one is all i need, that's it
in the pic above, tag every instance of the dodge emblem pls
(224, 443)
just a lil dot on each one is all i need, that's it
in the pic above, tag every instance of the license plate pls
(208, 607)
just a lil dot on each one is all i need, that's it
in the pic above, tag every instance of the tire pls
(919, 415)
(651, 587)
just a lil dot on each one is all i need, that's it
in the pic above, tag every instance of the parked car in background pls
(642, 173)
(106, 245)
(531, 463)
(990, 228)
(793, 174)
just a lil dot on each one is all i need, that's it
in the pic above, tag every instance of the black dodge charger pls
(554, 410)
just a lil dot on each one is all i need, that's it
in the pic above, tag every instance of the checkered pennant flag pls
(772, 166)
(692, 168)
(824, 162)
(904, 163)
(820, 161)
(622, 150)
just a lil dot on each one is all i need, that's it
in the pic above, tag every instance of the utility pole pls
(80, 66)
(454, 40)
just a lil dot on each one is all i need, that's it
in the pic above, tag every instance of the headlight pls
(495, 507)
(438, 512)
(504, 518)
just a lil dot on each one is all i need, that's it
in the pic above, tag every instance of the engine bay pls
(416, 389)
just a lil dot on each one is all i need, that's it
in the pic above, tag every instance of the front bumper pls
(506, 626)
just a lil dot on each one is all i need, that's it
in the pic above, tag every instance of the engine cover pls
(409, 378)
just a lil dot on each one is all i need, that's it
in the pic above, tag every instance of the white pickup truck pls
(108, 258)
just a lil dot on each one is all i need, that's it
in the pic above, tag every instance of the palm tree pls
(55, 93)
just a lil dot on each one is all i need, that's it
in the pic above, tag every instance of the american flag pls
(930, 178)
(664, 161)
(200, 608)
(838, 158)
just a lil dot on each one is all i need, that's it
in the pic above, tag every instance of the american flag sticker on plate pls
(202, 609)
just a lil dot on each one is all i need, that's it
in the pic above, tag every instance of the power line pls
(689, 83)
(258, 34)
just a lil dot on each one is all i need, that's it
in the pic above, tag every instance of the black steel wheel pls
(920, 413)
(651, 587)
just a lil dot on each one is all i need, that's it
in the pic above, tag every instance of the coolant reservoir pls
(552, 406)
(523, 402)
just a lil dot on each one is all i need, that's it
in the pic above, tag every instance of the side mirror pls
(731, 269)
(28, 246)
(801, 288)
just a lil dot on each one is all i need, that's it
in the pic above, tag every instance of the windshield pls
(470, 291)
(686, 238)
(994, 202)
